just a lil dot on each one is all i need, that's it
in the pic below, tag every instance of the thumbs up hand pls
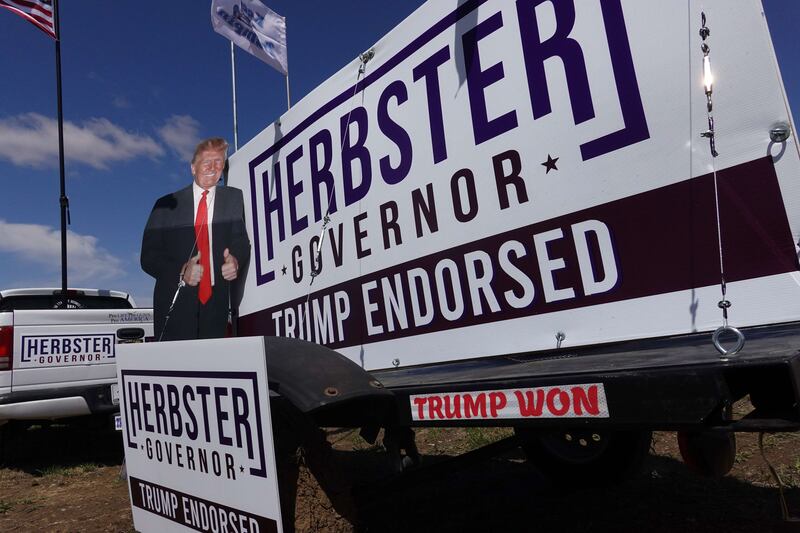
(230, 266)
(192, 271)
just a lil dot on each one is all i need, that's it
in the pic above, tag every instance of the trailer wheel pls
(585, 456)
(708, 453)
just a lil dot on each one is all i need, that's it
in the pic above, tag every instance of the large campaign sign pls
(198, 437)
(506, 176)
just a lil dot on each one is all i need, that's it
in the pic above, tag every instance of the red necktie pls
(201, 232)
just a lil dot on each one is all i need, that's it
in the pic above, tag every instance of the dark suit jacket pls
(169, 241)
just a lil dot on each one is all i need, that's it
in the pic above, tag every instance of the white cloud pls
(181, 133)
(31, 140)
(41, 245)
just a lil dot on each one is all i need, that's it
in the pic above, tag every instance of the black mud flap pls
(312, 387)
(325, 385)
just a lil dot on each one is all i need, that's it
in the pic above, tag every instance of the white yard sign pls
(198, 437)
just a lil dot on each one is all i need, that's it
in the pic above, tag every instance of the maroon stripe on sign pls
(663, 240)
(193, 512)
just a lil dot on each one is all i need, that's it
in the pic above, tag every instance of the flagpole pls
(63, 200)
(234, 312)
(235, 118)
(288, 95)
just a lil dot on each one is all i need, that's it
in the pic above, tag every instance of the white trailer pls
(578, 218)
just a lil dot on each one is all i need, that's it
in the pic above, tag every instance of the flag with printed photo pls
(253, 27)
(39, 12)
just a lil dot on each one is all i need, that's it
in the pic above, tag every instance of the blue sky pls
(142, 82)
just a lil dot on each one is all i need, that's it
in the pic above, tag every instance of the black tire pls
(580, 457)
(707, 453)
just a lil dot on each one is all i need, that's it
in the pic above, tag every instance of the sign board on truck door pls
(198, 437)
(503, 172)
(69, 348)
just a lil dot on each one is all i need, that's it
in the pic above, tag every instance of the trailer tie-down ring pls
(718, 345)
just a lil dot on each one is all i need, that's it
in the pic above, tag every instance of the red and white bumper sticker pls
(586, 400)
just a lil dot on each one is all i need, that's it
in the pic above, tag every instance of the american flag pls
(39, 12)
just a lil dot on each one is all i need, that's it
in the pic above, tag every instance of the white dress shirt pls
(198, 195)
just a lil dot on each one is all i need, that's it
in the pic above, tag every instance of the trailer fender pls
(325, 385)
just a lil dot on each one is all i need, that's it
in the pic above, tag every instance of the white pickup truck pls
(57, 355)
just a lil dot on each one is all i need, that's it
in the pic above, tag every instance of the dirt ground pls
(65, 478)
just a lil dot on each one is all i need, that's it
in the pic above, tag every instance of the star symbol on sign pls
(241, 469)
(283, 270)
(550, 164)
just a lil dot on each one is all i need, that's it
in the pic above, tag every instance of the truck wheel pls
(585, 456)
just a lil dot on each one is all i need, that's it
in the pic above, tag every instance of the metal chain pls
(705, 32)
(724, 304)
